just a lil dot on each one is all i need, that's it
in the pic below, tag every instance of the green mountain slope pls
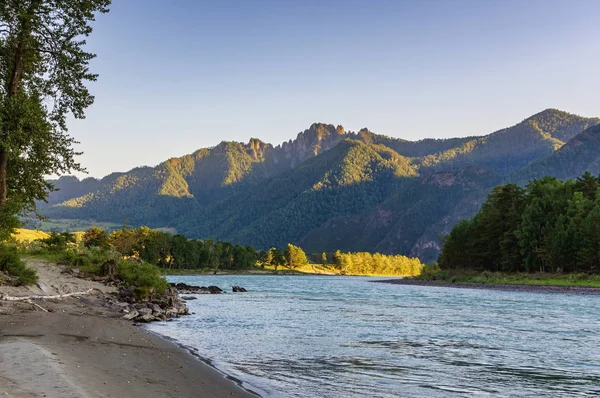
(331, 189)
(580, 154)
(397, 224)
(347, 179)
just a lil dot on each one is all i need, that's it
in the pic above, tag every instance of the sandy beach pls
(80, 348)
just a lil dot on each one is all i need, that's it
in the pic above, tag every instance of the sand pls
(83, 349)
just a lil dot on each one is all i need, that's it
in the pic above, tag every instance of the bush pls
(57, 242)
(96, 237)
(430, 272)
(11, 263)
(145, 277)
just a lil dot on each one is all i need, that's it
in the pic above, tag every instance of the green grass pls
(69, 225)
(75, 225)
(502, 278)
(147, 278)
(11, 264)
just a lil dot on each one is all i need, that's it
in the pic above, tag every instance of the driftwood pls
(37, 306)
(37, 297)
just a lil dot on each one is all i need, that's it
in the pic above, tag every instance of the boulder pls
(214, 290)
(145, 311)
(146, 318)
(238, 289)
(188, 298)
(131, 315)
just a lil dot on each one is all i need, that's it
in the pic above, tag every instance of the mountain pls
(399, 224)
(329, 188)
(580, 154)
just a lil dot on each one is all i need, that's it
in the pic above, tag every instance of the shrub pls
(430, 272)
(95, 237)
(11, 263)
(57, 242)
(145, 277)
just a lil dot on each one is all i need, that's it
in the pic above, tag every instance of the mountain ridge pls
(264, 195)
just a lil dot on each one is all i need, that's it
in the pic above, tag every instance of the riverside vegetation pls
(547, 233)
(142, 254)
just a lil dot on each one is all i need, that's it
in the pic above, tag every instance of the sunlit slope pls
(348, 179)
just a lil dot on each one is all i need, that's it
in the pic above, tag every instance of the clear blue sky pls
(179, 75)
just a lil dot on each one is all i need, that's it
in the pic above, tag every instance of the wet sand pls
(66, 354)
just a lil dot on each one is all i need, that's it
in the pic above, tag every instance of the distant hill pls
(579, 154)
(332, 189)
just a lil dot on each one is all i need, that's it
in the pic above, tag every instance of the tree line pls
(176, 252)
(377, 264)
(548, 226)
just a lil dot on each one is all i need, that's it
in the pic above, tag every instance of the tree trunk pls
(3, 167)
(13, 88)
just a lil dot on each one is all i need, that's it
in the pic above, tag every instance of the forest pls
(176, 252)
(548, 226)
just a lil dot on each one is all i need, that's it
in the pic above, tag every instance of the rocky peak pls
(318, 138)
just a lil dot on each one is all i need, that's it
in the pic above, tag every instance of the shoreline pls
(82, 347)
(195, 353)
(81, 354)
(495, 286)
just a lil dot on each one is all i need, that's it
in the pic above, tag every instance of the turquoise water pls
(311, 336)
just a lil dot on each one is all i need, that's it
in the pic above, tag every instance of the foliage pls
(58, 241)
(377, 264)
(513, 278)
(144, 276)
(295, 256)
(550, 226)
(95, 237)
(324, 260)
(276, 258)
(43, 71)
(429, 272)
(11, 263)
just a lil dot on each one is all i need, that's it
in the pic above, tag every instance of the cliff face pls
(309, 143)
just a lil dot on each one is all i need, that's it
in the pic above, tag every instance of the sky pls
(179, 75)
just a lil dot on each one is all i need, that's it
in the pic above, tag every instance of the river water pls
(312, 336)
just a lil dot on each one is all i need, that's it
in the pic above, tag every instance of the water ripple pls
(297, 336)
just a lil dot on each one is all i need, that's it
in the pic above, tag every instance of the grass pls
(12, 265)
(69, 225)
(502, 278)
(27, 235)
(74, 225)
(146, 278)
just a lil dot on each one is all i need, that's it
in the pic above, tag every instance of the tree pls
(95, 237)
(295, 256)
(324, 260)
(43, 71)
(276, 257)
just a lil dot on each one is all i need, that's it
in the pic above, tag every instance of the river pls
(323, 336)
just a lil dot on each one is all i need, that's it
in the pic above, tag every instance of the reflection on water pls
(299, 336)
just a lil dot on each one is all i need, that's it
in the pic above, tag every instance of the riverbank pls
(498, 286)
(81, 347)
